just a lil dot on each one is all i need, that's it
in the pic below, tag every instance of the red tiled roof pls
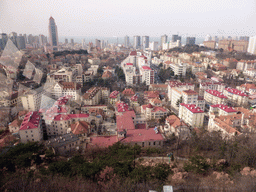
(140, 135)
(80, 127)
(216, 93)
(128, 92)
(192, 108)
(102, 141)
(133, 53)
(224, 108)
(146, 68)
(114, 94)
(31, 121)
(236, 91)
(129, 64)
(125, 121)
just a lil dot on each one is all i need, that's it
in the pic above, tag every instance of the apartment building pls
(221, 110)
(67, 88)
(184, 86)
(212, 86)
(178, 68)
(191, 115)
(188, 97)
(235, 96)
(147, 75)
(247, 87)
(31, 100)
(31, 128)
(214, 97)
(94, 95)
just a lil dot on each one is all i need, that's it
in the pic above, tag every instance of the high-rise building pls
(153, 46)
(244, 38)
(175, 38)
(145, 42)
(72, 42)
(83, 44)
(252, 45)
(126, 41)
(136, 42)
(66, 41)
(190, 41)
(21, 42)
(97, 43)
(13, 37)
(163, 39)
(53, 35)
(42, 40)
(3, 40)
(25, 37)
(30, 39)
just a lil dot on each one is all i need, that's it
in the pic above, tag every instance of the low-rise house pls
(128, 92)
(15, 126)
(153, 112)
(114, 97)
(225, 124)
(158, 87)
(248, 88)
(65, 144)
(173, 125)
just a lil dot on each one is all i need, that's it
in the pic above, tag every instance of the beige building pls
(214, 97)
(94, 95)
(67, 88)
(94, 61)
(184, 86)
(31, 128)
(191, 115)
(236, 96)
(187, 96)
(153, 112)
(212, 86)
(221, 110)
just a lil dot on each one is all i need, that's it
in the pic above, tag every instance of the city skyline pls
(114, 18)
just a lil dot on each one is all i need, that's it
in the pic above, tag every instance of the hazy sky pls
(132, 17)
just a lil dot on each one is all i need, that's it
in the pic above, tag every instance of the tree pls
(180, 100)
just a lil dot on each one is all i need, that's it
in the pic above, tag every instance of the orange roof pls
(80, 127)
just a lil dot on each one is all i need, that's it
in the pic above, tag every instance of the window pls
(154, 143)
(31, 135)
(148, 143)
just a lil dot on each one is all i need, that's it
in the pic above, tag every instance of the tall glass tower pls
(53, 34)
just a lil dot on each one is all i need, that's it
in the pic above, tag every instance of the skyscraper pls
(42, 40)
(190, 41)
(145, 42)
(13, 37)
(136, 42)
(126, 41)
(3, 40)
(66, 41)
(21, 42)
(163, 39)
(53, 35)
(72, 42)
(175, 38)
(252, 45)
